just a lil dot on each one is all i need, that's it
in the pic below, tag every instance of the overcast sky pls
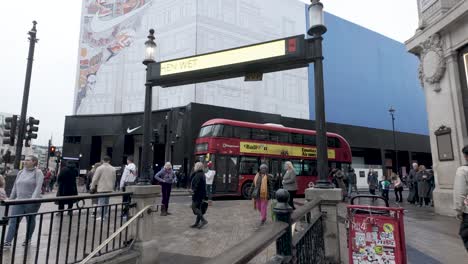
(55, 60)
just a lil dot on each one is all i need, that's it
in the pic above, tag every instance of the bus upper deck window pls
(206, 131)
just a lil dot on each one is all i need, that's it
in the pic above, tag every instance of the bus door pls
(275, 169)
(226, 179)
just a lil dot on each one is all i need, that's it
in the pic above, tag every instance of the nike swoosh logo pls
(99, 25)
(132, 130)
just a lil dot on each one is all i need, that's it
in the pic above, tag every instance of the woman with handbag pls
(262, 191)
(165, 177)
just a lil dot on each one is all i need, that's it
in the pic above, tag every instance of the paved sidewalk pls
(430, 238)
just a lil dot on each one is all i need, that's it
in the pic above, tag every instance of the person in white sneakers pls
(209, 176)
(128, 178)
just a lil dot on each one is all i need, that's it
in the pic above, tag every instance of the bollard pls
(283, 211)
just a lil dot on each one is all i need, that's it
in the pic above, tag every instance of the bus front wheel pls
(246, 190)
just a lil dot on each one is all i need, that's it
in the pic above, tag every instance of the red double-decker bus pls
(237, 149)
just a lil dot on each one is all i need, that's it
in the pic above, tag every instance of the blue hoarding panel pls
(365, 73)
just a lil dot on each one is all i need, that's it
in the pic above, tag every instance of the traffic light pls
(52, 150)
(9, 132)
(31, 128)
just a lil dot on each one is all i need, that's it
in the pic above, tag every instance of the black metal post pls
(394, 141)
(145, 176)
(48, 153)
(320, 121)
(24, 108)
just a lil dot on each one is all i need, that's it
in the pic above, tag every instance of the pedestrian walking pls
(397, 187)
(209, 176)
(424, 185)
(27, 185)
(47, 178)
(372, 181)
(352, 180)
(66, 182)
(290, 183)
(128, 178)
(460, 198)
(262, 191)
(128, 175)
(413, 197)
(340, 181)
(385, 187)
(103, 182)
(199, 203)
(165, 177)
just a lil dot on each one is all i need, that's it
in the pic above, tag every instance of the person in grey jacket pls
(460, 198)
(28, 185)
(289, 182)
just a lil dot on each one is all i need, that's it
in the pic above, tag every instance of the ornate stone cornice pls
(433, 62)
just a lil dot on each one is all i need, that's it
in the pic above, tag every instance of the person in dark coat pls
(424, 179)
(413, 185)
(199, 195)
(66, 181)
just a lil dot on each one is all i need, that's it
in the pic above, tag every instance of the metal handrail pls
(303, 210)
(115, 234)
(63, 198)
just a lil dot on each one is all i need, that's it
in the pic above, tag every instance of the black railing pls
(64, 236)
(303, 245)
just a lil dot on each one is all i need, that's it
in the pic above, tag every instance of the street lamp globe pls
(316, 18)
(391, 110)
(150, 49)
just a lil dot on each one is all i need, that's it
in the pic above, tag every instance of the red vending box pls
(376, 233)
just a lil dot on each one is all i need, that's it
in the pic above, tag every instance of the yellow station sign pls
(284, 150)
(223, 58)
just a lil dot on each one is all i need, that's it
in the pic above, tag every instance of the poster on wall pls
(109, 27)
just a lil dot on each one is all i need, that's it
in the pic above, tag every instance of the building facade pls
(365, 74)
(441, 43)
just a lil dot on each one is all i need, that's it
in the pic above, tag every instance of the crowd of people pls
(31, 182)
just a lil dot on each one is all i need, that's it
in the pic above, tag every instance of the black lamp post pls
(317, 28)
(24, 107)
(145, 176)
(392, 114)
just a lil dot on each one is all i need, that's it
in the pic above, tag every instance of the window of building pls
(248, 165)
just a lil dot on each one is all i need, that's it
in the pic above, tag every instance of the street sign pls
(253, 61)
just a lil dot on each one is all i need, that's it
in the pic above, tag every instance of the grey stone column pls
(146, 243)
(328, 206)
